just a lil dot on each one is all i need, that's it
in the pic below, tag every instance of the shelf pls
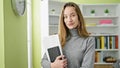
(100, 16)
(103, 34)
(106, 49)
(103, 63)
(56, 15)
(99, 26)
(88, 16)
(53, 25)
(114, 4)
(56, 1)
(103, 26)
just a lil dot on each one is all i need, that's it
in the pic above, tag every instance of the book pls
(52, 46)
(116, 42)
(106, 42)
(105, 22)
(102, 42)
(90, 24)
(53, 53)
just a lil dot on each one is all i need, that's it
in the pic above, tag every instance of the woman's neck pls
(73, 32)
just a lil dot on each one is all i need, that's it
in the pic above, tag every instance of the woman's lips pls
(70, 24)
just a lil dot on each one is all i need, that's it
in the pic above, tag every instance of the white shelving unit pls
(54, 16)
(97, 29)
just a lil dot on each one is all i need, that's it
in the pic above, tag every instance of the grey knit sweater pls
(78, 51)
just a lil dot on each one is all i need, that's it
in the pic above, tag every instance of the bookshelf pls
(106, 34)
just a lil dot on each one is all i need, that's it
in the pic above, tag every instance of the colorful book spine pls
(102, 42)
(105, 21)
(116, 42)
(106, 42)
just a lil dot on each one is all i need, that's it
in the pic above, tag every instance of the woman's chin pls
(71, 27)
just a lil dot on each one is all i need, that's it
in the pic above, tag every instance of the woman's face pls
(70, 17)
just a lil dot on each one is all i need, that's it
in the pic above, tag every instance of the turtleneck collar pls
(73, 32)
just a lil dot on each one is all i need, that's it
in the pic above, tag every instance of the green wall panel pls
(1, 36)
(15, 38)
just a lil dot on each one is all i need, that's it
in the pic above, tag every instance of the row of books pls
(101, 22)
(106, 42)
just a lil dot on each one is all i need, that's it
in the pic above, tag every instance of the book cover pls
(53, 53)
(52, 46)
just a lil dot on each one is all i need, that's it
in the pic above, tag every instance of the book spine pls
(116, 42)
(102, 42)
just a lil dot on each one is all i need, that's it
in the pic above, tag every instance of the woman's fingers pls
(64, 61)
(60, 57)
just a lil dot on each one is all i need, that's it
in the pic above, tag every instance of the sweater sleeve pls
(45, 63)
(89, 54)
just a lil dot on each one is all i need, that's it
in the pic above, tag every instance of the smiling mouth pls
(71, 24)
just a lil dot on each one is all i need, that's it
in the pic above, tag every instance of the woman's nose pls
(69, 18)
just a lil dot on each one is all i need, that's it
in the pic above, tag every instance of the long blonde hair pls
(64, 31)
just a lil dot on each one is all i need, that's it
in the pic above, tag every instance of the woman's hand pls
(60, 62)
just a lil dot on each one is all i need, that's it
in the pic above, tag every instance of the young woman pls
(78, 47)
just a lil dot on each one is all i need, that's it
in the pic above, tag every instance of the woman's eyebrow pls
(70, 13)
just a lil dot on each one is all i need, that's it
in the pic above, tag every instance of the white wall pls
(29, 33)
(44, 22)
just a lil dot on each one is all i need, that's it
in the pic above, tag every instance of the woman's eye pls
(73, 15)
